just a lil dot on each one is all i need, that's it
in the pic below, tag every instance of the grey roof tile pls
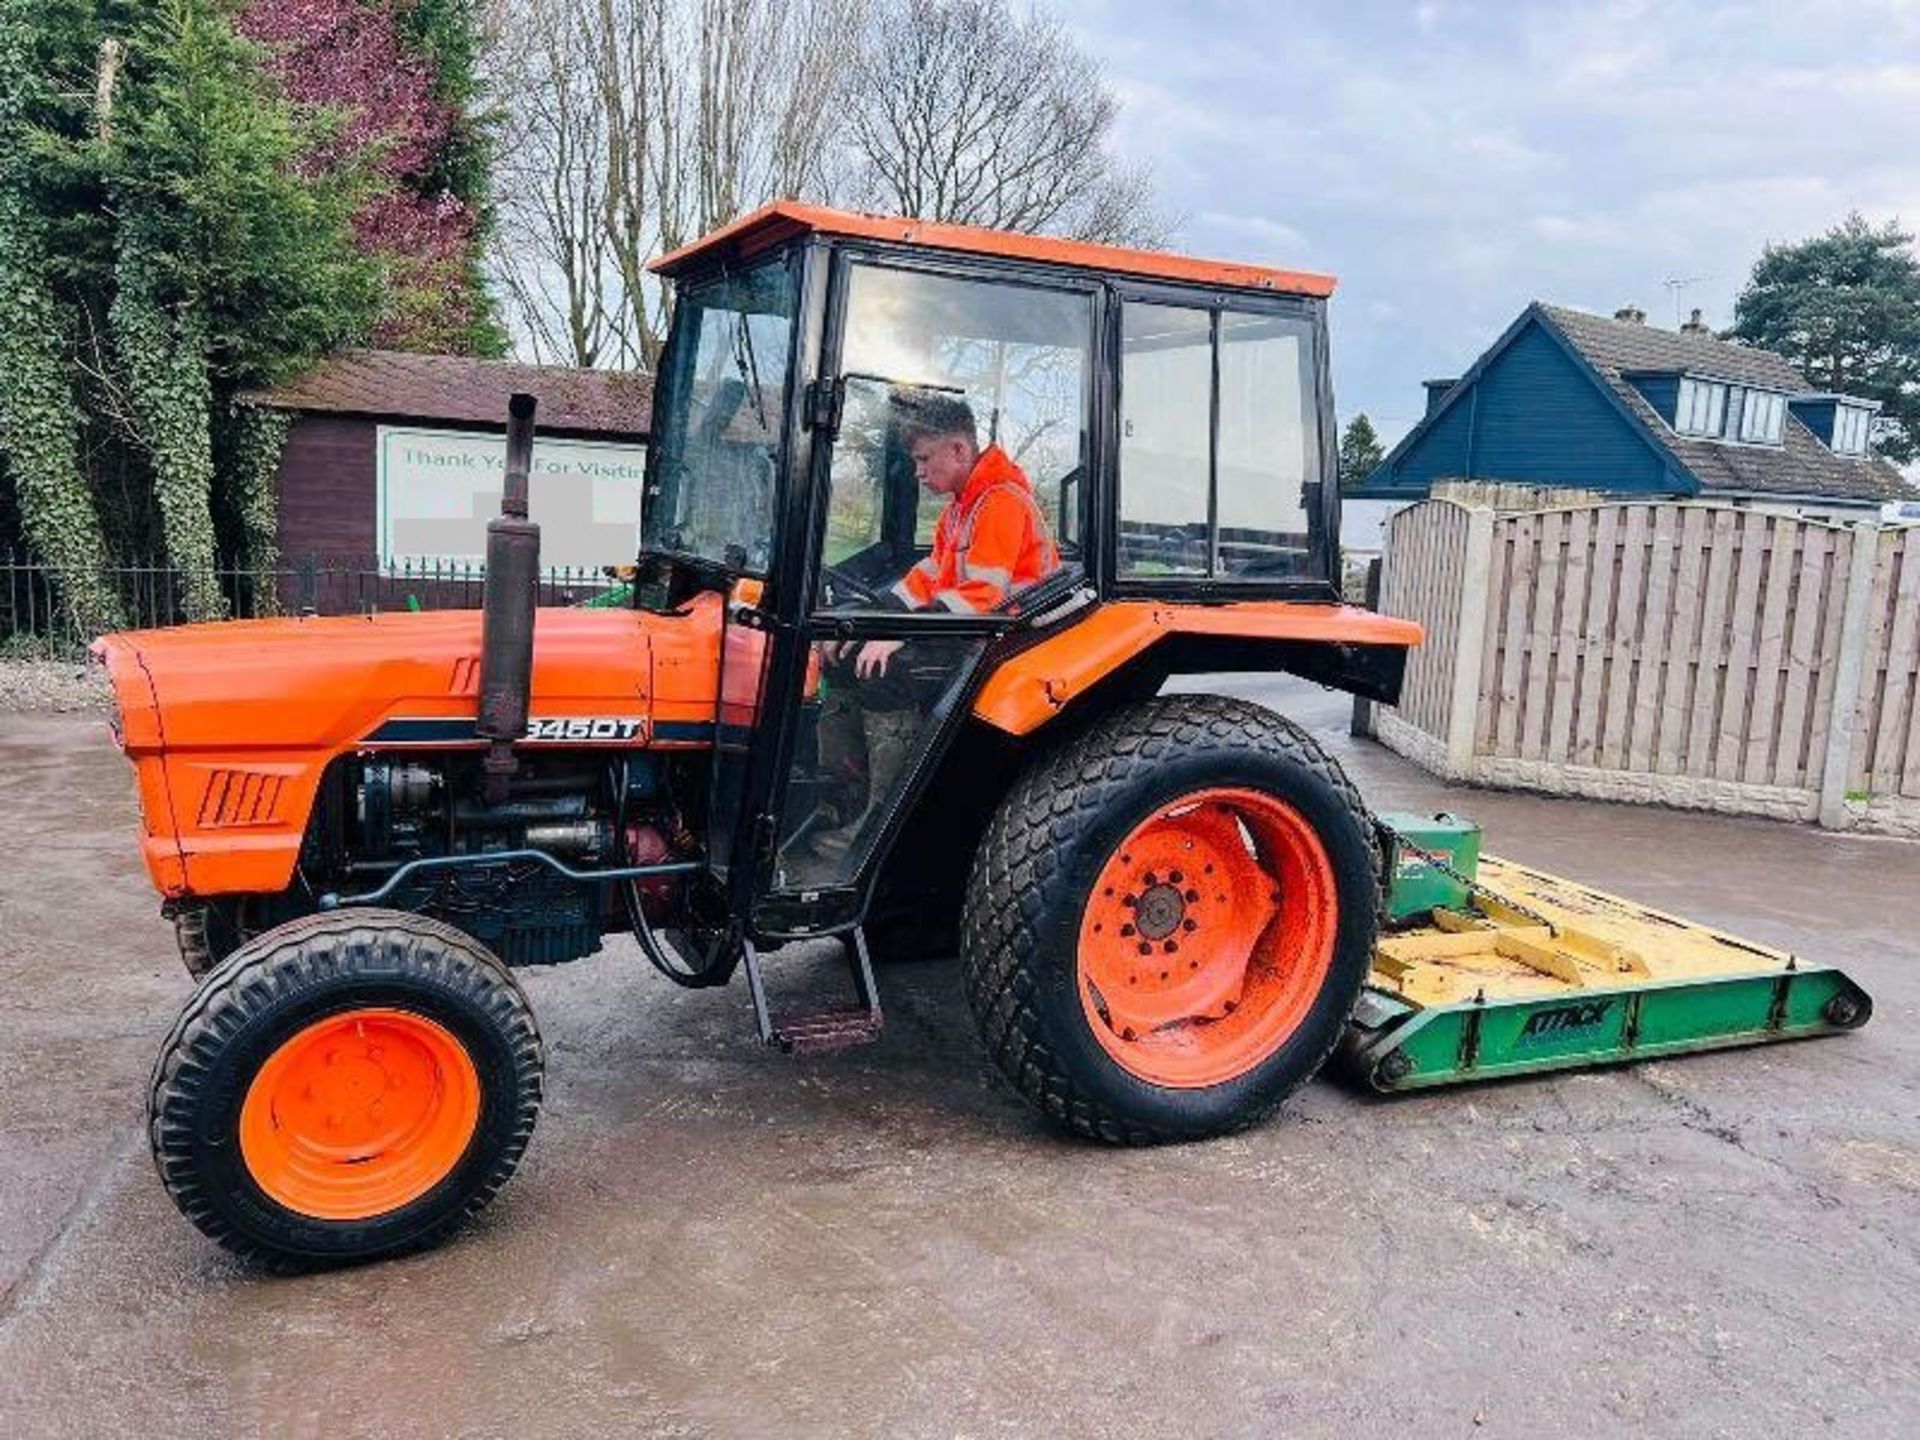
(1801, 465)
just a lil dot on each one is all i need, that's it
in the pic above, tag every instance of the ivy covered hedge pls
(182, 222)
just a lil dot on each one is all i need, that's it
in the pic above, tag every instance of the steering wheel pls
(842, 583)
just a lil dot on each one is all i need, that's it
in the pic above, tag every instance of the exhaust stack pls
(512, 594)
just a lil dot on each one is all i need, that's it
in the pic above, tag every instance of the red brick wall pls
(327, 476)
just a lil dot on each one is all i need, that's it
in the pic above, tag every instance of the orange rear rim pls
(1207, 937)
(359, 1114)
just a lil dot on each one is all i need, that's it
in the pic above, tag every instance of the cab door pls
(887, 673)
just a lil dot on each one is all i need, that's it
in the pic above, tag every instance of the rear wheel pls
(1170, 919)
(345, 1087)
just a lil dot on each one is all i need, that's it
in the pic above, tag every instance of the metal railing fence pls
(34, 621)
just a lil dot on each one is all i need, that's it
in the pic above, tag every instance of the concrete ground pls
(709, 1239)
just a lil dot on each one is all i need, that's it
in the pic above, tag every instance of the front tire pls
(1170, 919)
(345, 1087)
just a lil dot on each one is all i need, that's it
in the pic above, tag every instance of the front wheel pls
(1169, 921)
(345, 1087)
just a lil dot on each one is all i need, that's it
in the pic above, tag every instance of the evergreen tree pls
(161, 251)
(231, 269)
(1360, 452)
(1844, 307)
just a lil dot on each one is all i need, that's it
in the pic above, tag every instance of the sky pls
(1451, 161)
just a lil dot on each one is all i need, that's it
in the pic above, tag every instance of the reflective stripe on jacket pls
(991, 541)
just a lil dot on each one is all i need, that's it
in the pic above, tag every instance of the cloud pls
(1274, 240)
(1450, 161)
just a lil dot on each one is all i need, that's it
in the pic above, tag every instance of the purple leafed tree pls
(349, 59)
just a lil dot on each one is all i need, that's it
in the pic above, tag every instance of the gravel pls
(60, 686)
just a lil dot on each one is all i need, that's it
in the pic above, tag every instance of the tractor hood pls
(343, 682)
(230, 726)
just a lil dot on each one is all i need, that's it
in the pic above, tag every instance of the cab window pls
(1013, 360)
(718, 416)
(1219, 443)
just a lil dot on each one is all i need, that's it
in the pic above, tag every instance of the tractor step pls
(1540, 973)
(825, 1030)
(819, 1031)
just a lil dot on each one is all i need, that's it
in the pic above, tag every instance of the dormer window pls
(1702, 409)
(1851, 424)
(1718, 411)
(1763, 415)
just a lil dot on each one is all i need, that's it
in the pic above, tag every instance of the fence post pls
(1844, 718)
(1463, 709)
(1362, 724)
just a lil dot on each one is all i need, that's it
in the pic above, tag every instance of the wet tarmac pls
(709, 1239)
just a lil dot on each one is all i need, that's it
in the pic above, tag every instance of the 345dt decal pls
(593, 729)
(585, 727)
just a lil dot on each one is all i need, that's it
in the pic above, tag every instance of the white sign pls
(438, 489)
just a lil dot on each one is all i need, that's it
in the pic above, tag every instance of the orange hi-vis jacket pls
(991, 541)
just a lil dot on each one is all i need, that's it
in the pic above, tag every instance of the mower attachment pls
(1546, 974)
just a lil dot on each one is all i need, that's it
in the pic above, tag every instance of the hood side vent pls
(240, 797)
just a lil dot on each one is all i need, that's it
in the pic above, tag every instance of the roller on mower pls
(931, 516)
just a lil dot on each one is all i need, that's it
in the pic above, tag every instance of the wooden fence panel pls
(1624, 630)
(1524, 559)
(1426, 545)
(1809, 606)
(1693, 650)
(1758, 755)
(1886, 757)
(1820, 717)
(1656, 623)
(1587, 707)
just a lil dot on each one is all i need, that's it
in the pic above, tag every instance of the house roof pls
(779, 222)
(454, 389)
(1627, 348)
(1801, 465)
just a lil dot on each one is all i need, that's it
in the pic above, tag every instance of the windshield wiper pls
(893, 383)
(748, 364)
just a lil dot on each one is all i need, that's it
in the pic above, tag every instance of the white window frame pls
(1701, 408)
(1852, 424)
(1761, 417)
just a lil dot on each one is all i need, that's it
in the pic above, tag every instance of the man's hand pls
(871, 663)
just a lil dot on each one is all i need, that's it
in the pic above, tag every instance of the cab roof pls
(775, 224)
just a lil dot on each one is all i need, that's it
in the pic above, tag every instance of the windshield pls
(717, 417)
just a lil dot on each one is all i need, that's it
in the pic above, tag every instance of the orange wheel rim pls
(1207, 936)
(359, 1114)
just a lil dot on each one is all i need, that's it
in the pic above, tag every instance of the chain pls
(1473, 886)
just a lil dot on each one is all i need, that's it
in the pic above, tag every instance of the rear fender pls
(1351, 649)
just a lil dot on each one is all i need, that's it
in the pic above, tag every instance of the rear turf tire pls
(423, 1015)
(1037, 894)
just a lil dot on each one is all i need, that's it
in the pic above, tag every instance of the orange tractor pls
(1165, 906)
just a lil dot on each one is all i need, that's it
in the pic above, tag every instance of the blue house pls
(1567, 398)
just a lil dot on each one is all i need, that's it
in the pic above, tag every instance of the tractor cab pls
(1158, 429)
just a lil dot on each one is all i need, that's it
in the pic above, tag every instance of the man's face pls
(942, 462)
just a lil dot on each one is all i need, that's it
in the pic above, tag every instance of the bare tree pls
(634, 126)
(552, 175)
(959, 110)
